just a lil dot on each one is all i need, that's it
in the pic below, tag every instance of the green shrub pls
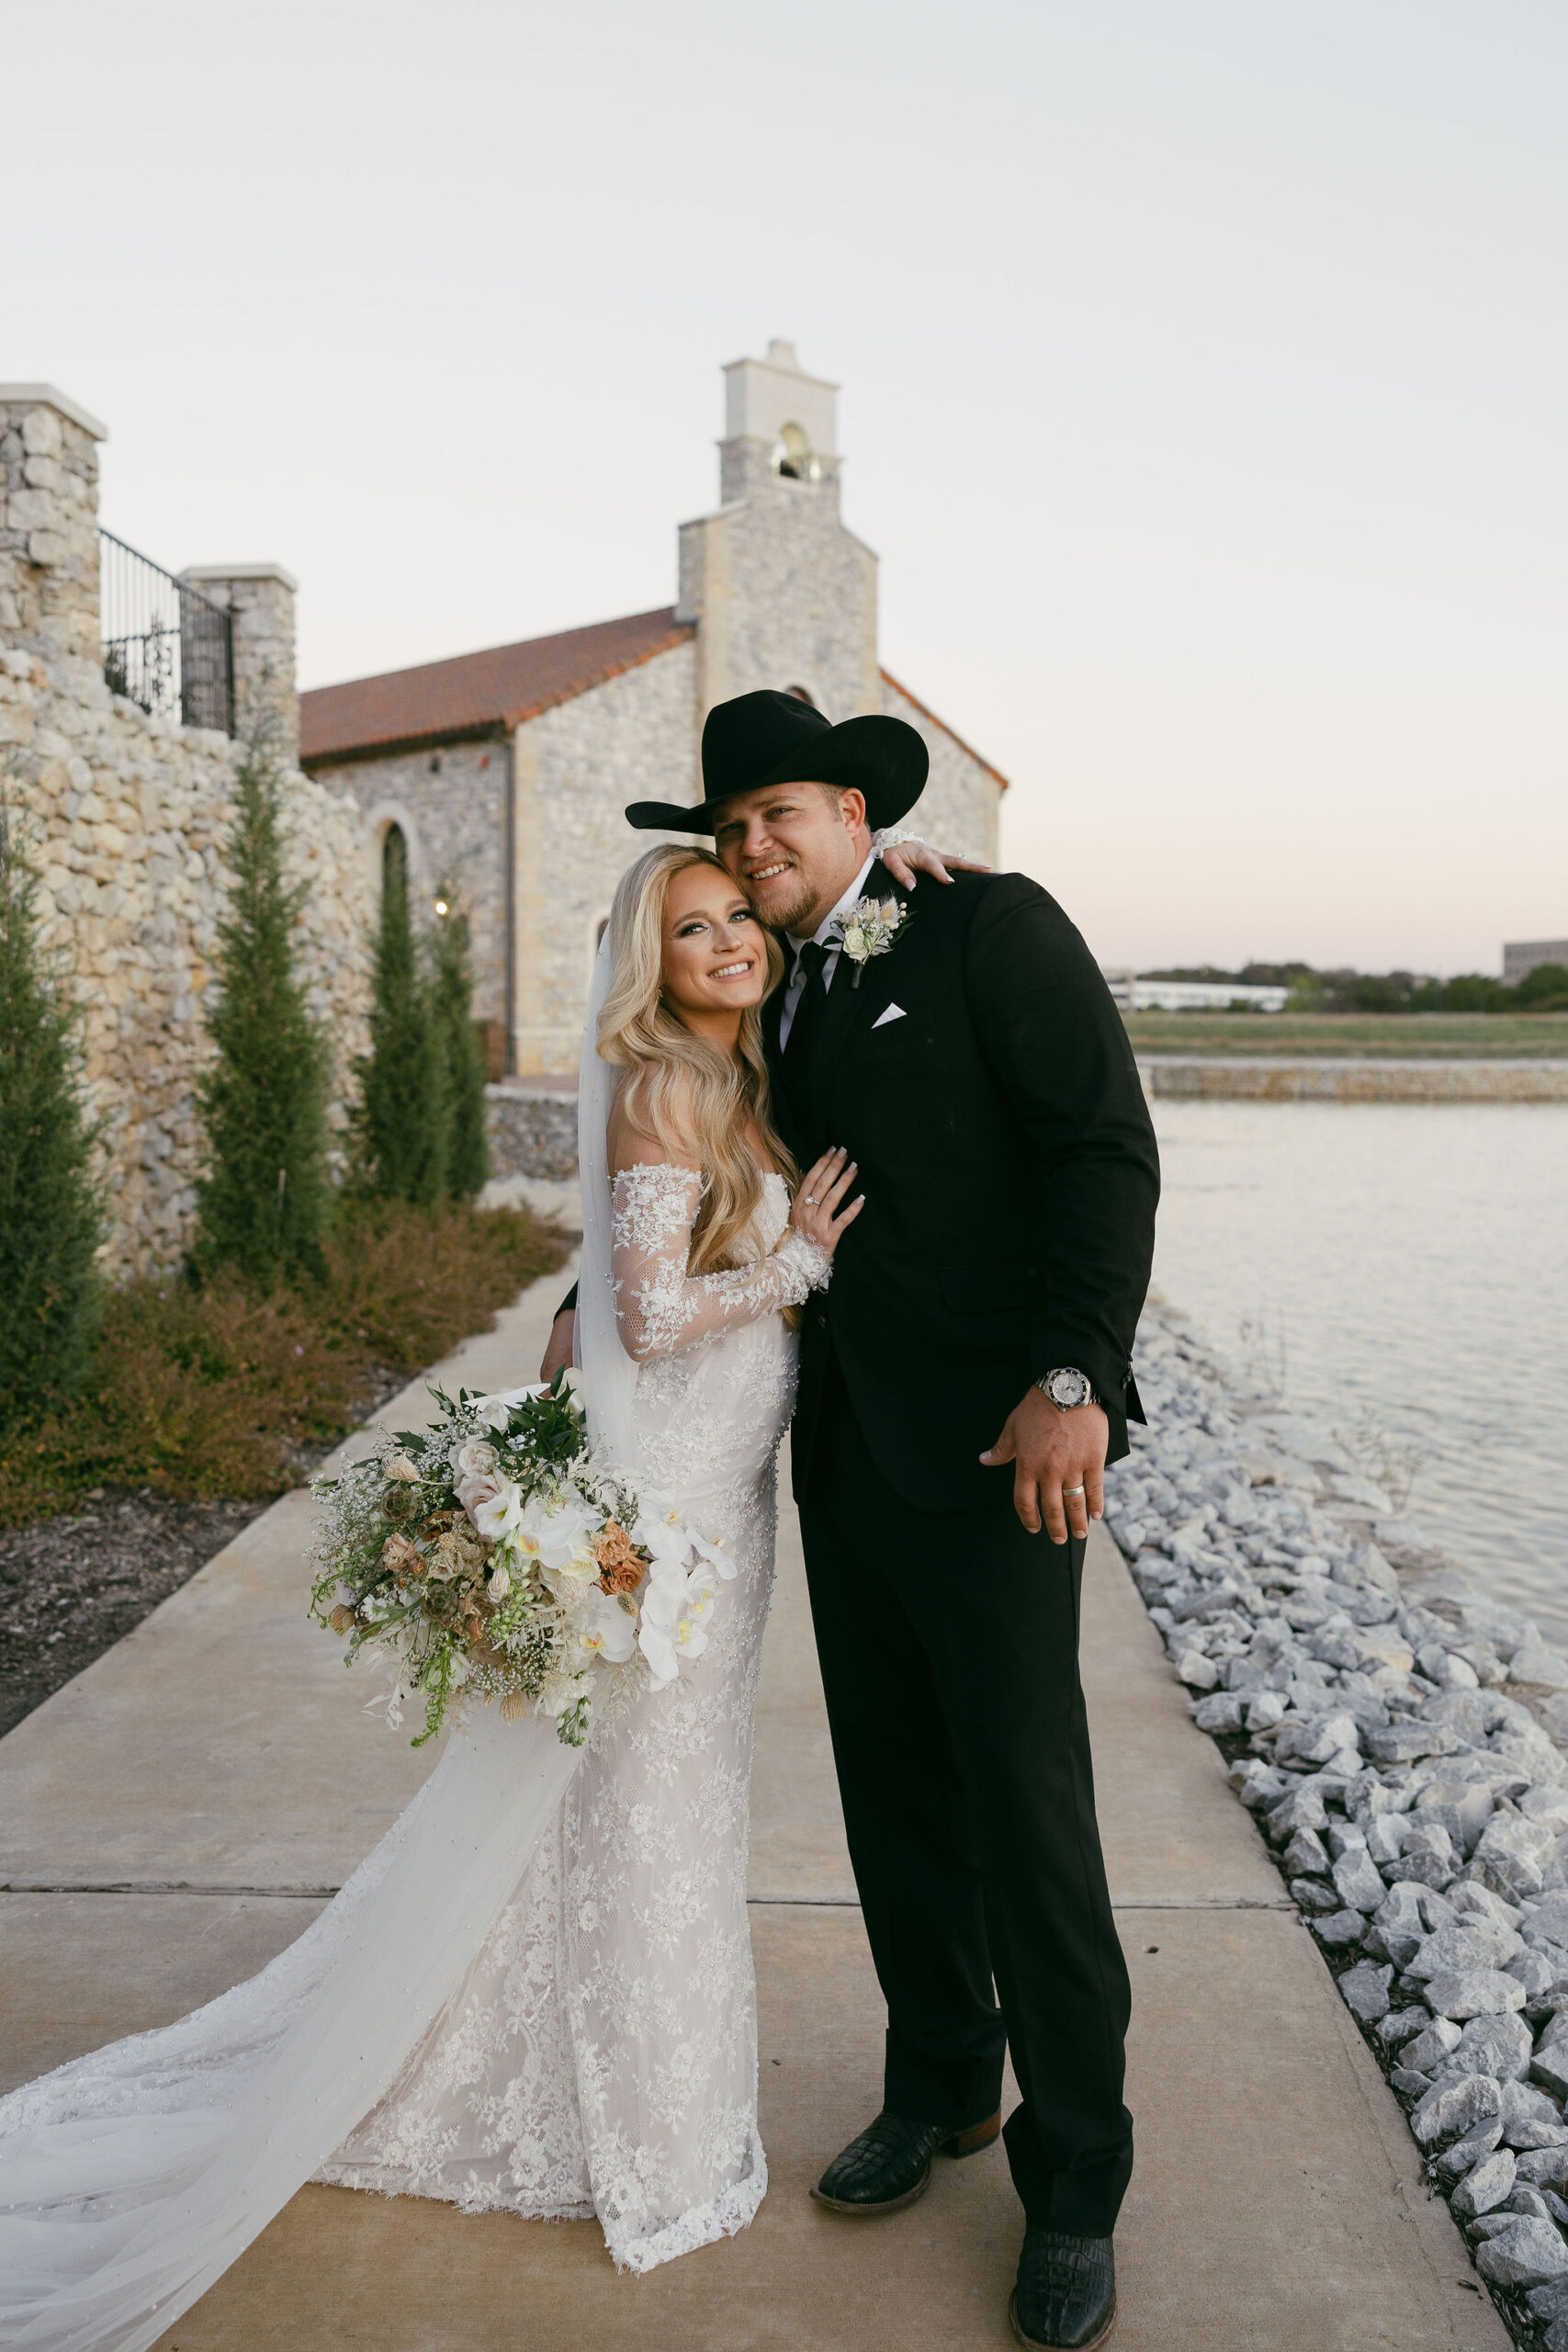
(223, 1387)
(264, 1200)
(51, 1213)
(452, 996)
(402, 1117)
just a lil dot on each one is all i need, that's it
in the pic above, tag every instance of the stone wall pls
(451, 802)
(960, 809)
(574, 769)
(1236, 1077)
(128, 815)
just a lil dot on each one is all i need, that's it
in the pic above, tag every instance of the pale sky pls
(1204, 365)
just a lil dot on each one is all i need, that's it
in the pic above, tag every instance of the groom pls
(980, 1318)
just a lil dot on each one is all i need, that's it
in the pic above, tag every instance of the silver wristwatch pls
(1068, 1386)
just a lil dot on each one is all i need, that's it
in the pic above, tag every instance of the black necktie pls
(809, 1005)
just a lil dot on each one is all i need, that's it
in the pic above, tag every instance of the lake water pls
(1384, 1256)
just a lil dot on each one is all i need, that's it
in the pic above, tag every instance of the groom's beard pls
(786, 902)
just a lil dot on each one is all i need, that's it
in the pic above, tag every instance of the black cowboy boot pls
(1066, 2296)
(890, 2163)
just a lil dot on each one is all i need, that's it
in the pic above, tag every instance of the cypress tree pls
(265, 1201)
(402, 1114)
(52, 1217)
(452, 991)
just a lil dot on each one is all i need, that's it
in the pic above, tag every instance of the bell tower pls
(782, 595)
(780, 425)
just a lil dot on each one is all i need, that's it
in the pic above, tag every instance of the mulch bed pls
(72, 1586)
(69, 1587)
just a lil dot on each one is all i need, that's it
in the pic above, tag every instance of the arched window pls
(792, 455)
(394, 860)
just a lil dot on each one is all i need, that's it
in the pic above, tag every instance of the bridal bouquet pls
(495, 1556)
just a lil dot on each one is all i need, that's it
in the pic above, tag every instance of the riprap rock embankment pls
(1397, 1737)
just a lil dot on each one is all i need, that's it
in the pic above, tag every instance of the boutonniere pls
(869, 929)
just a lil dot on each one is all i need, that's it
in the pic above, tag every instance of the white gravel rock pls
(1359, 1882)
(1364, 1990)
(1534, 1661)
(1197, 1672)
(1432, 2045)
(1526, 2256)
(1469, 1943)
(1474, 1992)
(1486, 2186)
(1450, 2110)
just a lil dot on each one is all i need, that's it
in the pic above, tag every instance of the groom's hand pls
(559, 1351)
(1050, 1451)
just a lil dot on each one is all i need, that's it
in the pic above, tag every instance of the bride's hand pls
(908, 859)
(815, 1211)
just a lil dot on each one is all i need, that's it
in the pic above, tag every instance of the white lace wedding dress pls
(536, 1992)
(601, 2054)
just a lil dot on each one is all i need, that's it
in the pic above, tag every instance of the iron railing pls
(165, 644)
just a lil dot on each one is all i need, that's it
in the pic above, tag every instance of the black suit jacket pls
(1011, 1176)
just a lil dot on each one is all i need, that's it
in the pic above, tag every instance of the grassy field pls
(1442, 1036)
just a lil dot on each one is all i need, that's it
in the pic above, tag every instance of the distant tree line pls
(1346, 991)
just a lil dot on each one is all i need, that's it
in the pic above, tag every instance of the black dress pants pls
(949, 1646)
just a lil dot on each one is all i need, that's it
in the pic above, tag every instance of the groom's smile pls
(795, 848)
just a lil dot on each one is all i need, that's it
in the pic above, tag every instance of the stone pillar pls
(260, 599)
(49, 518)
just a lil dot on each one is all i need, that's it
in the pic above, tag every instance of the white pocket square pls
(894, 1012)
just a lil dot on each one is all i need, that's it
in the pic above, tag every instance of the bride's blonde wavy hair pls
(701, 1105)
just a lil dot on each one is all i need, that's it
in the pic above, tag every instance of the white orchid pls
(555, 1530)
(606, 1631)
(674, 1624)
(498, 1513)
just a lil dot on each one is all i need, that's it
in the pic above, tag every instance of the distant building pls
(506, 770)
(1135, 995)
(1520, 957)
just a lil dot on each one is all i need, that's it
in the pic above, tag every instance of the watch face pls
(1068, 1386)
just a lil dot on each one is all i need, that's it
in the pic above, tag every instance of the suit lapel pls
(851, 1008)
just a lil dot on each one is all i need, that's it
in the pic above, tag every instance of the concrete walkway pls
(177, 1815)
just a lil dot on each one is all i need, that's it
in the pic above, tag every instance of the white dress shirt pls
(794, 988)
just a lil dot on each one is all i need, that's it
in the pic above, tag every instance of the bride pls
(536, 1992)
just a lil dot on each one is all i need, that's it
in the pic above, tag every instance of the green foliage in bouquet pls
(264, 1202)
(495, 1556)
(50, 1214)
(452, 999)
(401, 1119)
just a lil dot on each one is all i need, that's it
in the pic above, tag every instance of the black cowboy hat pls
(765, 739)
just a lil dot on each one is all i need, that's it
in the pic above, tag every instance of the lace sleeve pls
(660, 1309)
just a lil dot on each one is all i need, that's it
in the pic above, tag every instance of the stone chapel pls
(503, 774)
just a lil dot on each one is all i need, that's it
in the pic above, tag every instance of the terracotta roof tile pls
(476, 693)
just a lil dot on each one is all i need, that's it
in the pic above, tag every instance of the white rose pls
(476, 1460)
(500, 1582)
